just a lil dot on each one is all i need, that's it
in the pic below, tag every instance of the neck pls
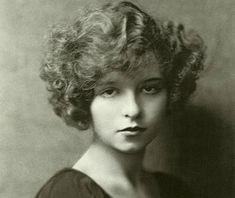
(111, 162)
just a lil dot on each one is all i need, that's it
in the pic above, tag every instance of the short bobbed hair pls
(117, 37)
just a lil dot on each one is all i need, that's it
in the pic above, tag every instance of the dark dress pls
(70, 183)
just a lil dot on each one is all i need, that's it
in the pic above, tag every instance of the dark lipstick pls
(133, 129)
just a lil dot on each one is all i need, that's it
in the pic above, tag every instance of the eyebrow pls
(109, 82)
(153, 79)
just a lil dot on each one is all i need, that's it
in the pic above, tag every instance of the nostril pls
(131, 109)
(133, 116)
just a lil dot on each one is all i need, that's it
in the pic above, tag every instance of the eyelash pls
(105, 94)
(154, 89)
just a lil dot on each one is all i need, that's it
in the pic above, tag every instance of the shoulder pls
(69, 183)
(172, 187)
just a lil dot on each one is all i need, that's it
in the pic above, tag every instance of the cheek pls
(155, 109)
(101, 113)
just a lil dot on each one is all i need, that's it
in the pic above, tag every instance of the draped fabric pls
(70, 183)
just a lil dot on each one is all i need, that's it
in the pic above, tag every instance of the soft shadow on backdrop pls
(34, 143)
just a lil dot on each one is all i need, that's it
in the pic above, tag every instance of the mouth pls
(132, 131)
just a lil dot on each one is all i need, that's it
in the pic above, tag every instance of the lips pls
(132, 131)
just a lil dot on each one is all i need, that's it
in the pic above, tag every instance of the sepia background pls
(34, 143)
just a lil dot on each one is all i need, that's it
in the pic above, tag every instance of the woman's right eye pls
(108, 93)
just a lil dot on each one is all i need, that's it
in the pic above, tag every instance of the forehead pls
(147, 67)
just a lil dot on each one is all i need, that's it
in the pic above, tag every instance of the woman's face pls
(128, 110)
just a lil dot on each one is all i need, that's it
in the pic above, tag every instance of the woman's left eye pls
(150, 90)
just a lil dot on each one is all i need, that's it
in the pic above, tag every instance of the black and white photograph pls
(117, 99)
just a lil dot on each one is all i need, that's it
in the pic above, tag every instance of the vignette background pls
(34, 143)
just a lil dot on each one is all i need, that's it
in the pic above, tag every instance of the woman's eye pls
(109, 93)
(151, 90)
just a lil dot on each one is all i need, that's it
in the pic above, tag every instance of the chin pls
(131, 149)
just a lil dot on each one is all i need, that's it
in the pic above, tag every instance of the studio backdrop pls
(34, 143)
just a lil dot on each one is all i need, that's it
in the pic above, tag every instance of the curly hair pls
(117, 36)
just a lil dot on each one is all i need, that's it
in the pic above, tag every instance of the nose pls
(131, 107)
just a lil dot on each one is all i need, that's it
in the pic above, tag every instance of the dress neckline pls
(88, 177)
(93, 181)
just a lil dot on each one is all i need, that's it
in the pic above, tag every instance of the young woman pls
(122, 74)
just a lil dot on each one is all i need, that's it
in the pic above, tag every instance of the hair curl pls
(116, 37)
